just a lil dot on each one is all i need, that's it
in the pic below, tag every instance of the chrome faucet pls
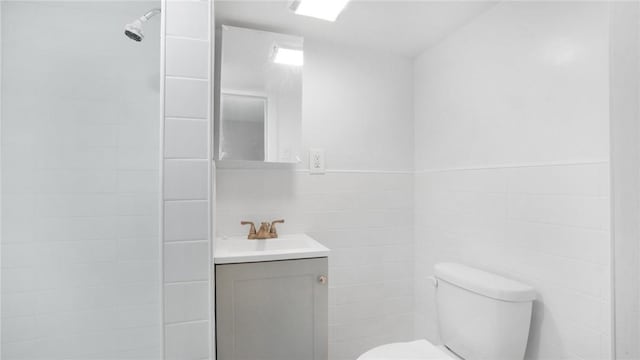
(266, 231)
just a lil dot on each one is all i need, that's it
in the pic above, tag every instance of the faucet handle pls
(274, 233)
(252, 229)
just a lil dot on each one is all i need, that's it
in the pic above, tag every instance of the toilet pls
(481, 316)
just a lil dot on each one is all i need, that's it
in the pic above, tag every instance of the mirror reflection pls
(260, 96)
(244, 127)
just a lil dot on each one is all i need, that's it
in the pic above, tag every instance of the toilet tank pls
(482, 316)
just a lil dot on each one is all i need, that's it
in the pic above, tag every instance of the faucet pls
(266, 231)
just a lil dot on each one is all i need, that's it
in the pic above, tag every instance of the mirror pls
(260, 96)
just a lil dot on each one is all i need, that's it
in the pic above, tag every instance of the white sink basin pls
(286, 247)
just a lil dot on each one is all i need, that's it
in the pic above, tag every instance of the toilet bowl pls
(413, 350)
(480, 316)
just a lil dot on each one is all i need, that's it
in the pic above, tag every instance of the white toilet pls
(481, 316)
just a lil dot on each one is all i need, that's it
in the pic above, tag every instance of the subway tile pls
(188, 18)
(139, 204)
(77, 181)
(140, 249)
(147, 339)
(138, 181)
(186, 301)
(19, 304)
(56, 205)
(188, 341)
(138, 293)
(587, 179)
(187, 57)
(91, 158)
(186, 220)
(186, 98)
(84, 245)
(132, 227)
(186, 138)
(552, 234)
(188, 261)
(186, 179)
(140, 271)
(567, 241)
(587, 212)
(22, 328)
(144, 157)
(62, 228)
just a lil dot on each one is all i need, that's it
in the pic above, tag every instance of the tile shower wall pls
(625, 175)
(186, 183)
(80, 182)
(512, 171)
(357, 106)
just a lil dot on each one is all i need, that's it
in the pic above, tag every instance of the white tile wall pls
(507, 179)
(186, 220)
(366, 221)
(486, 219)
(187, 57)
(186, 98)
(504, 121)
(187, 341)
(186, 261)
(183, 139)
(188, 19)
(362, 115)
(625, 175)
(186, 301)
(81, 147)
(187, 182)
(186, 179)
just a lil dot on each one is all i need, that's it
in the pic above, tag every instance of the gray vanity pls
(271, 299)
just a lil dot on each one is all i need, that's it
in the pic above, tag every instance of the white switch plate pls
(316, 161)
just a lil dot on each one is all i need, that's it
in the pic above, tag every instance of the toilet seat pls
(414, 350)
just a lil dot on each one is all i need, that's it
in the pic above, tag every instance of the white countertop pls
(239, 249)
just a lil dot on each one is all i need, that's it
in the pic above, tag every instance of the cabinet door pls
(272, 310)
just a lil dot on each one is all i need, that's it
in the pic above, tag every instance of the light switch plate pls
(316, 161)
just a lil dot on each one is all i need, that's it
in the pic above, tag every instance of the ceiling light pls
(288, 56)
(321, 9)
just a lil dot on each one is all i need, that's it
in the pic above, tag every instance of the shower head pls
(133, 30)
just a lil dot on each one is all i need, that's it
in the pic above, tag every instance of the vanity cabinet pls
(273, 310)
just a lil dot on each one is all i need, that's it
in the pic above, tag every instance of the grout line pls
(175, 36)
(187, 159)
(186, 119)
(327, 171)
(180, 37)
(511, 166)
(187, 282)
(168, 324)
(173, 242)
(176, 77)
(177, 117)
(184, 158)
(426, 171)
(364, 171)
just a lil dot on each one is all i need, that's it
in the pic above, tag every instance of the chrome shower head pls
(133, 30)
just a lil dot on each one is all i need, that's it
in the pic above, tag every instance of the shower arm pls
(150, 14)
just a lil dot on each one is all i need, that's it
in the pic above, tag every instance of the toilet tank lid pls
(484, 283)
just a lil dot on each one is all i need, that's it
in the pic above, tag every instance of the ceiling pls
(398, 26)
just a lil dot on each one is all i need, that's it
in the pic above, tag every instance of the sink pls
(287, 247)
